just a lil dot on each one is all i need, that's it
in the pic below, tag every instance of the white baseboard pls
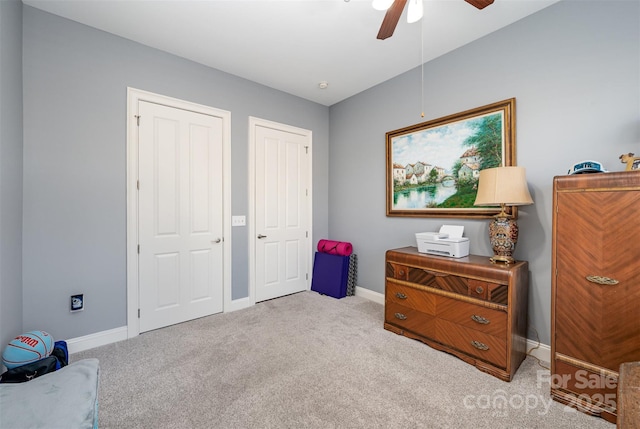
(540, 351)
(98, 339)
(370, 295)
(103, 338)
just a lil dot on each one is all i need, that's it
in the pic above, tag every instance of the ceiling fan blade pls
(480, 4)
(391, 19)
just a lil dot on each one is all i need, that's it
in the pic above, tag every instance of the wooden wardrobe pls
(595, 287)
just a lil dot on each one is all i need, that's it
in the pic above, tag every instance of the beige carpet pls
(311, 361)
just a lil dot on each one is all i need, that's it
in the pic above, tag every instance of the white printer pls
(447, 242)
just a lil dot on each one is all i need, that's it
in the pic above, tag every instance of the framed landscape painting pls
(433, 167)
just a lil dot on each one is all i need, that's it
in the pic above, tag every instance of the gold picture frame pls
(433, 166)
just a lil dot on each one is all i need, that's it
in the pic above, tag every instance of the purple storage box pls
(330, 274)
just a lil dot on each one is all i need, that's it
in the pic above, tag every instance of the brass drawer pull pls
(480, 319)
(478, 345)
(602, 280)
(400, 316)
(401, 295)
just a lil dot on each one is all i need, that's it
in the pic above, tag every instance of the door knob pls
(217, 240)
(260, 236)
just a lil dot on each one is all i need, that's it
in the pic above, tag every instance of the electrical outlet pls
(77, 302)
(238, 220)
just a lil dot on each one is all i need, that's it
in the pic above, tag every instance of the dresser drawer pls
(397, 271)
(473, 316)
(411, 297)
(487, 291)
(410, 319)
(483, 346)
(480, 289)
(430, 278)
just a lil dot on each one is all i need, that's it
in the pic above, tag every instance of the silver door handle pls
(260, 236)
(217, 240)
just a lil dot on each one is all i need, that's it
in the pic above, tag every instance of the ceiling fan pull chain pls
(422, 66)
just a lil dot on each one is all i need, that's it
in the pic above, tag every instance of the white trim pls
(253, 123)
(376, 297)
(238, 304)
(541, 351)
(98, 339)
(134, 96)
(251, 227)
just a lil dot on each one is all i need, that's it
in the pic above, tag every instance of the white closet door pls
(282, 217)
(180, 215)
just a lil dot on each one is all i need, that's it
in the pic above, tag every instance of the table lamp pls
(503, 186)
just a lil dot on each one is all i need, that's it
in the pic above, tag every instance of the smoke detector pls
(323, 85)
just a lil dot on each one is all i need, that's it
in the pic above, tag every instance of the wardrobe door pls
(598, 276)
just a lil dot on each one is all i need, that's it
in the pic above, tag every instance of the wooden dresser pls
(468, 307)
(595, 287)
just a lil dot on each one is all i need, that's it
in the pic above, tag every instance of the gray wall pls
(574, 69)
(75, 83)
(10, 170)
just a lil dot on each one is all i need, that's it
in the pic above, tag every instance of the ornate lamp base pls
(497, 259)
(503, 234)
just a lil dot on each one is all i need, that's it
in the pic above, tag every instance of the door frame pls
(253, 123)
(134, 96)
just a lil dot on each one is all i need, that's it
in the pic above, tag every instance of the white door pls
(282, 211)
(180, 222)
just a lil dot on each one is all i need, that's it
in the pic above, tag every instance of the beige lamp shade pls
(503, 185)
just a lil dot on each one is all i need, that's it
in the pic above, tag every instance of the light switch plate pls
(238, 220)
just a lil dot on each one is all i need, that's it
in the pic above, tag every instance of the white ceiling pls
(293, 45)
